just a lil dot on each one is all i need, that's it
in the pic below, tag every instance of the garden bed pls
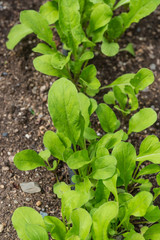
(24, 116)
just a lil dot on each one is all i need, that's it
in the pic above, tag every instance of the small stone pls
(38, 203)
(27, 136)
(4, 74)
(5, 134)
(1, 228)
(43, 214)
(30, 187)
(2, 186)
(138, 29)
(153, 107)
(152, 66)
(146, 89)
(11, 159)
(5, 169)
(28, 199)
(15, 202)
(34, 90)
(43, 89)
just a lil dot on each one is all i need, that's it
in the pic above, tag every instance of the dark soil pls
(23, 106)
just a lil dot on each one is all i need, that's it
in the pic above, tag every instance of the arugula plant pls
(125, 90)
(107, 173)
(80, 25)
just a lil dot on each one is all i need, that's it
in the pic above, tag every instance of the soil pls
(23, 106)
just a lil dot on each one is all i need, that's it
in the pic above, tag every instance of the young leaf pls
(142, 120)
(138, 10)
(158, 179)
(56, 228)
(36, 232)
(143, 78)
(125, 154)
(103, 167)
(45, 154)
(93, 106)
(84, 103)
(88, 77)
(153, 232)
(107, 118)
(49, 11)
(152, 154)
(120, 97)
(100, 16)
(38, 24)
(63, 105)
(52, 142)
(109, 98)
(78, 159)
(82, 222)
(90, 134)
(43, 49)
(28, 160)
(102, 218)
(129, 48)
(109, 49)
(132, 235)
(149, 169)
(111, 185)
(133, 101)
(121, 3)
(153, 214)
(23, 216)
(122, 81)
(16, 34)
(60, 188)
(115, 28)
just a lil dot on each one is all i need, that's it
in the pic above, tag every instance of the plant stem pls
(135, 173)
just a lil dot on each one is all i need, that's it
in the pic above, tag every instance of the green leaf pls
(133, 101)
(60, 188)
(82, 222)
(102, 218)
(109, 49)
(43, 49)
(28, 160)
(111, 185)
(36, 232)
(150, 150)
(145, 118)
(100, 16)
(115, 28)
(129, 48)
(156, 192)
(143, 78)
(58, 60)
(52, 142)
(125, 154)
(103, 167)
(45, 154)
(43, 64)
(16, 34)
(153, 214)
(132, 235)
(107, 118)
(153, 232)
(121, 3)
(149, 169)
(55, 227)
(84, 103)
(49, 11)
(139, 204)
(90, 134)
(138, 10)
(88, 77)
(63, 105)
(120, 97)
(101, 193)
(86, 56)
(23, 216)
(109, 98)
(78, 159)
(158, 179)
(122, 81)
(69, 21)
(93, 106)
(38, 24)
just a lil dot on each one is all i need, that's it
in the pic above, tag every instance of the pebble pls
(5, 169)
(28, 199)
(1, 228)
(30, 187)
(4, 74)
(15, 202)
(34, 90)
(138, 29)
(146, 89)
(43, 89)
(2, 186)
(43, 214)
(27, 136)
(38, 203)
(5, 134)
(152, 66)
(11, 158)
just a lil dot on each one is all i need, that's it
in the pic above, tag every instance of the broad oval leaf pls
(23, 216)
(153, 214)
(36, 232)
(109, 49)
(28, 160)
(49, 11)
(88, 77)
(64, 108)
(60, 188)
(149, 169)
(125, 154)
(142, 120)
(107, 118)
(56, 228)
(153, 232)
(82, 222)
(52, 142)
(102, 218)
(78, 159)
